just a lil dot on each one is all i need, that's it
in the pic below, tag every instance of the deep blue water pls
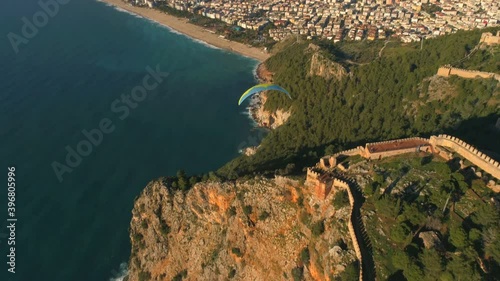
(64, 80)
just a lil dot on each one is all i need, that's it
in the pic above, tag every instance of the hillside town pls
(339, 20)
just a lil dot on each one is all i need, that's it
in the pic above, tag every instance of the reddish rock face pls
(253, 230)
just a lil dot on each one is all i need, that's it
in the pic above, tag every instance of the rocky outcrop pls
(266, 118)
(262, 117)
(249, 151)
(252, 230)
(263, 74)
(323, 66)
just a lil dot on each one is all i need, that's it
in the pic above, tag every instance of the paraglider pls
(262, 87)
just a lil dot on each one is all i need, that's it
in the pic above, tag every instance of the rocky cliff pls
(323, 66)
(266, 118)
(262, 117)
(259, 229)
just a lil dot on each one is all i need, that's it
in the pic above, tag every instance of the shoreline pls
(195, 32)
(256, 105)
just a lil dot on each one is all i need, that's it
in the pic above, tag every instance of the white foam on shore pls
(162, 25)
(122, 273)
(206, 44)
(120, 9)
(254, 72)
(104, 2)
(253, 102)
(128, 12)
(185, 35)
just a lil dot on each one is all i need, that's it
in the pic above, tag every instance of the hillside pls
(278, 214)
(387, 93)
(427, 219)
(420, 218)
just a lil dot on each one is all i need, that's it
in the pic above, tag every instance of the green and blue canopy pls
(262, 87)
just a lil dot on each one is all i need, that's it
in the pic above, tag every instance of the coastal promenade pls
(181, 25)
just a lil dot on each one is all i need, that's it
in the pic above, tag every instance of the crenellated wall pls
(420, 143)
(392, 141)
(325, 181)
(330, 161)
(352, 219)
(350, 152)
(322, 182)
(489, 39)
(315, 178)
(469, 152)
(447, 71)
(312, 176)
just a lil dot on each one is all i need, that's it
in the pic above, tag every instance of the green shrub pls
(400, 232)
(341, 199)
(237, 252)
(264, 215)
(351, 272)
(300, 201)
(164, 228)
(318, 228)
(297, 273)
(232, 273)
(247, 210)
(231, 211)
(458, 237)
(137, 236)
(144, 276)
(305, 217)
(181, 275)
(305, 256)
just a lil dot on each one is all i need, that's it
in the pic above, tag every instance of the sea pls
(95, 103)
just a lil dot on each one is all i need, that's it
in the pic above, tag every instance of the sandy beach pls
(181, 25)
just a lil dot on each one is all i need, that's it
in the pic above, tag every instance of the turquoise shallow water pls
(64, 80)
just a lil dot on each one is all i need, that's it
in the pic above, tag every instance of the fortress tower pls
(322, 182)
(489, 39)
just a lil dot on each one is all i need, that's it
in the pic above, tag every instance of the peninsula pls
(415, 197)
(191, 30)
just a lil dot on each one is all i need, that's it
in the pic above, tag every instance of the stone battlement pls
(352, 221)
(447, 71)
(330, 161)
(322, 182)
(469, 152)
(383, 149)
(391, 141)
(312, 174)
(489, 39)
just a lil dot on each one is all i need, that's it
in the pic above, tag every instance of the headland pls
(183, 26)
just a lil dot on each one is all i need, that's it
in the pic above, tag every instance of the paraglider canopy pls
(259, 88)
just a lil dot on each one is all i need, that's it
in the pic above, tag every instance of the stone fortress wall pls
(324, 182)
(350, 225)
(447, 71)
(323, 187)
(383, 149)
(489, 39)
(469, 152)
(331, 160)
